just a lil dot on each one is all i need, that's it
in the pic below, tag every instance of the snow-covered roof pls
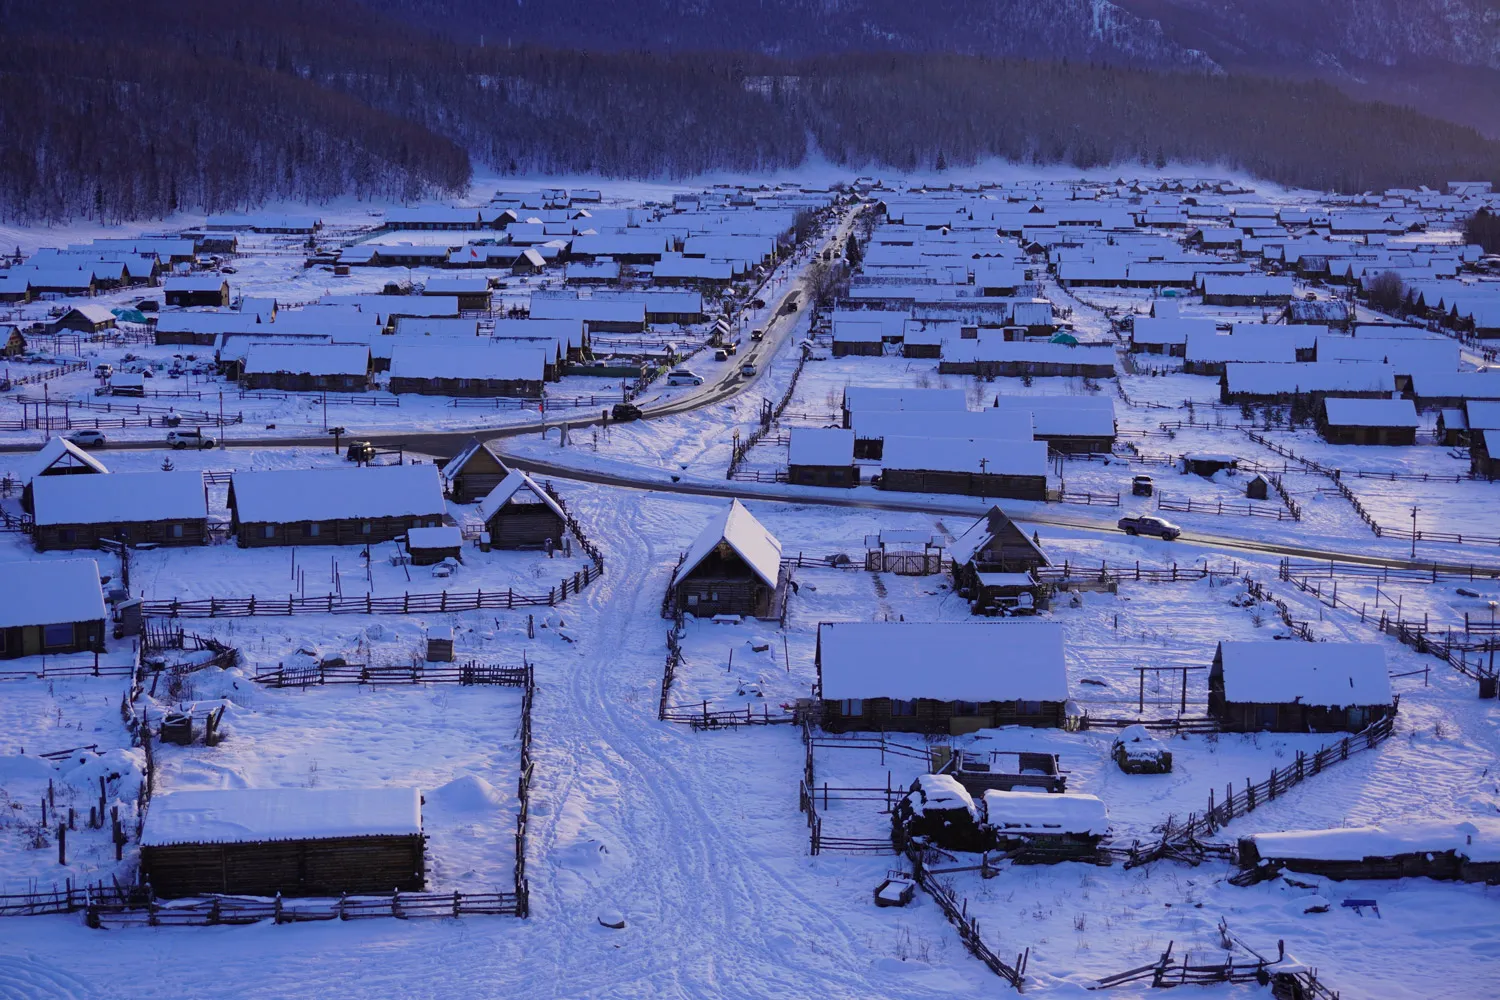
(940, 792)
(944, 661)
(286, 495)
(1006, 579)
(445, 537)
(496, 360)
(254, 815)
(119, 497)
(1311, 376)
(1326, 674)
(1213, 347)
(860, 398)
(474, 446)
(53, 592)
(1477, 839)
(508, 487)
(750, 540)
(1457, 385)
(982, 532)
(1046, 812)
(307, 359)
(1168, 330)
(53, 452)
(821, 446)
(988, 424)
(991, 457)
(195, 283)
(1482, 414)
(1064, 416)
(1347, 412)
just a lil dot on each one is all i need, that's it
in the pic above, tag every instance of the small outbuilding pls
(1299, 687)
(1368, 421)
(1466, 851)
(822, 456)
(53, 607)
(286, 841)
(994, 547)
(519, 513)
(732, 568)
(428, 546)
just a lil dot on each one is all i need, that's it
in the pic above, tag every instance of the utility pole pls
(1414, 533)
(221, 419)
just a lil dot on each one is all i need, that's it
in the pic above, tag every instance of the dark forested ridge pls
(123, 111)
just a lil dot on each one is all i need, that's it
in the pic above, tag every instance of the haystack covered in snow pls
(293, 841)
(732, 568)
(1298, 687)
(938, 811)
(942, 677)
(50, 607)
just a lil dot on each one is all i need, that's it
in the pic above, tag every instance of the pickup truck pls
(1149, 525)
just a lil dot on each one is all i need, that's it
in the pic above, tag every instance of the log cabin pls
(1299, 687)
(1466, 851)
(156, 508)
(994, 545)
(470, 475)
(1368, 421)
(493, 369)
(822, 456)
(334, 506)
(196, 290)
(732, 568)
(287, 841)
(50, 607)
(307, 367)
(940, 677)
(58, 457)
(520, 514)
(1012, 469)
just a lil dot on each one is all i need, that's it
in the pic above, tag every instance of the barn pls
(519, 514)
(196, 290)
(1299, 687)
(157, 508)
(50, 607)
(469, 476)
(822, 456)
(732, 568)
(940, 677)
(1368, 421)
(1012, 469)
(286, 841)
(334, 506)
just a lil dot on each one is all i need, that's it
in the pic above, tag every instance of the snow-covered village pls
(883, 586)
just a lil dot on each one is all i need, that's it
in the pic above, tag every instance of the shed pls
(470, 475)
(822, 456)
(196, 290)
(1466, 851)
(940, 677)
(732, 568)
(85, 319)
(55, 606)
(520, 514)
(1298, 687)
(334, 506)
(432, 545)
(1368, 421)
(291, 841)
(1013, 469)
(1045, 826)
(159, 508)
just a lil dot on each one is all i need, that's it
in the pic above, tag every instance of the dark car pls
(625, 412)
(1146, 524)
(1142, 486)
(359, 451)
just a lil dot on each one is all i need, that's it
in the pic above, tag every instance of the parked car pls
(625, 412)
(684, 377)
(87, 439)
(1146, 524)
(1142, 486)
(721, 355)
(190, 439)
(747, 370)
(103, 370)
(359, 451)
(757, 335)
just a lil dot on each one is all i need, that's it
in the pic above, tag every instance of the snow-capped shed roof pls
(287, 495)
(1064, 416)
(1347, 412)
(1046, 812)
(738, 528)
(446, 537)
(990, 457)
(821, 446)
(508, 488)
(497, 360)
(944, 661)
(860, 398)
(985, 530)
(119, 497)
(53, 592)
(308, 359)
(1477, 839)
(1456, 385)
(940, 792)
(55, 451)
(256, 815)
(1325, 674)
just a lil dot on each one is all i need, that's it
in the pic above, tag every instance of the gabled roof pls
(53, 452)
(119, 497)
(1343, 412)
(456, 465)
(508, 488)
(51, 592)
(984, 531)
(287, 495)
(745, 535)
(1331, 674)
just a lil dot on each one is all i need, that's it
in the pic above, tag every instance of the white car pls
(87, 439)
(189, 439)
(684, 377)
(747, 370)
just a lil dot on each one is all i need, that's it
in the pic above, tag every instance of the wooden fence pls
(417, 672)
(213, 910)
(769, 416)
(1187, 505)
(1083, 498)
(1167, 972)
(957, 913)
(50, 372)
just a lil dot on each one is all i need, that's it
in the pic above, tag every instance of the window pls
(901, 707)
(966, 708)
(314, 529)
(853, 707)
(1265, 716)
(692, 600)
(67, 535)
(270, 531)
(1029, 707)
(713, 595)
(176, 531)
(365, 528)
(56, 636)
